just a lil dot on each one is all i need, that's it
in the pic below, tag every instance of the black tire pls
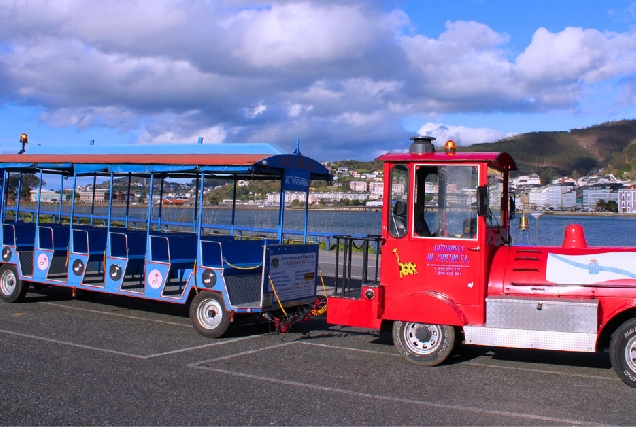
(424, 344)
(208, 315)
(12, 289)
(623, 352)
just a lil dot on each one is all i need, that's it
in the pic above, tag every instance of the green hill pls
(609, 146)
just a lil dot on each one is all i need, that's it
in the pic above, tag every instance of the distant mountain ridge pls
(609, 146)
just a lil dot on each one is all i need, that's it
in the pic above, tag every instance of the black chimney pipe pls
(422, 144)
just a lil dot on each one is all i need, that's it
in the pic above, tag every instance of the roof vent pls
(422, 144)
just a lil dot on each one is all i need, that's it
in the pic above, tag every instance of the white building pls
(627, 200)
(526, 181)
(591, 195)
(561, 197)
(538, 198)
(376, 187)
(46, 196)
(358, 186)
(87, 196)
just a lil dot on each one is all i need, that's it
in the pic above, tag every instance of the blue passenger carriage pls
(62, 243)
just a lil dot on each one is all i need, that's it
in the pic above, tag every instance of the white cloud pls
(460, 134)
(343, 74)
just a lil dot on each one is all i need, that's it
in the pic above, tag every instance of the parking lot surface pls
(105, 360)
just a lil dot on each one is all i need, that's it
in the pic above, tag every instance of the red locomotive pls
(449, 273)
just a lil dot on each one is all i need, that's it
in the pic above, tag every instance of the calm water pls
(599, 230)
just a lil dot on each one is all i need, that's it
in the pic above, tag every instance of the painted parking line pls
(543, 371)
(360, 350)
(371, 396)
(349, 348)
(123, 353)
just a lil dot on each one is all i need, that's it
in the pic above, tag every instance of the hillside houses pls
(584, 194)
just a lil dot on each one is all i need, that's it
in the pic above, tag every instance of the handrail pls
(315, 236)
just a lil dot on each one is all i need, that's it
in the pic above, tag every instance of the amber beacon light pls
(24, 139)
(450, 147)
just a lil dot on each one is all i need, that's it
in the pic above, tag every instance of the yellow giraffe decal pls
(405, 268)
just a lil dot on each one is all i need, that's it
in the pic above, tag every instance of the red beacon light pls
(450, 147)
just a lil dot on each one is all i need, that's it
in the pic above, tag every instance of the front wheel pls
(12, 289)
(424, 344)
(208, 315)
(623, 352)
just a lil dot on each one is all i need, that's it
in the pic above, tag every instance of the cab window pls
(399, 196)
(495, 194)
(445, 202)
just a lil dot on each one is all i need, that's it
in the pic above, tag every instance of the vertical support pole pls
(281, 210)
(337, 262)
(160, 202)
(350, 244)
(73, 201)
(199, 209)
(306, 215)
(17, 198)
(377, 258)
(150, 203)
(233, 206)
(110, 201)
(37, 212)
(93, 200)
(365, 261)
(127, 200)
(198, 191)
(3, 196)
(59, 204)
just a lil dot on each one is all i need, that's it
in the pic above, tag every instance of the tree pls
(546, 176)
(29, 182)
(214, 199)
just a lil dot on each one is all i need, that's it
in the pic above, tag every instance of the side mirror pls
(512, 206)
(482, 201)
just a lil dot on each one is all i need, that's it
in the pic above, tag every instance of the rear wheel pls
(424, 344)
(12, 289)
(208, 315)
(623, 352)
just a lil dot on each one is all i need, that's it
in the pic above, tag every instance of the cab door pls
(436, 259)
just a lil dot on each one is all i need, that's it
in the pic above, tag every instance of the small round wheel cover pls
(423, 344)
(623, 352)
(78, 267)
(6, 254)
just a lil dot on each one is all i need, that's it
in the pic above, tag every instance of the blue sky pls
(349, 78)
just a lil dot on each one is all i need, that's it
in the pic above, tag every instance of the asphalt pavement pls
(106, 360)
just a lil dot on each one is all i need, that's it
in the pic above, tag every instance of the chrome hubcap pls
(422, 339)
(7, 283)
(210, 313)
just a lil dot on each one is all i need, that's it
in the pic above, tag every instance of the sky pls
(349, 79)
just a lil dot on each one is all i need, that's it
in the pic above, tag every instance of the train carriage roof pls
(242, 160)
(500, 160)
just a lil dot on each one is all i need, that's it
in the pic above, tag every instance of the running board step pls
(524, 338)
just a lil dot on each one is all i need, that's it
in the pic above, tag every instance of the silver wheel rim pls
(210, 313)
(630, 353)
(422, 339)
(7, 283)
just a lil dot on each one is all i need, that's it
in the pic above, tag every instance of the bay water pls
(600, 230)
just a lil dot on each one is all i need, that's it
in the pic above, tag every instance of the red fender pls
(616, 312)
(426, 307)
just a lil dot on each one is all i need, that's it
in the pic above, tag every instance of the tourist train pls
(449, 274)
